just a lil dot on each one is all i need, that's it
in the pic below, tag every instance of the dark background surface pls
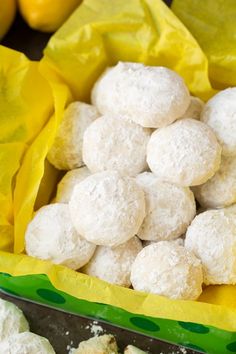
(24, 39)
(66, 330)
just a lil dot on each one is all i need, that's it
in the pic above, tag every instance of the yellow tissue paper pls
(25, 105)
(31, 173)
(100, 33)
(212, 23)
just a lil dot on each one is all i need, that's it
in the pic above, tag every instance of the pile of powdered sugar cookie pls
(137, 159)
(15, 336)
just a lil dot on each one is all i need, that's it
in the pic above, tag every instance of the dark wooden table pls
(66, 330)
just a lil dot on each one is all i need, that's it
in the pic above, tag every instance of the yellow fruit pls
(46, 15)
(7, 15)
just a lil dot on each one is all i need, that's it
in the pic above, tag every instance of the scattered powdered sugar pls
(70, 347)
(95, 328)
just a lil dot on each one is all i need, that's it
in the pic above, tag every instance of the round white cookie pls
(26, 343)
(66, 151)
(169, 209)
(113, 143)
(114, 264)
(186, 153)
(167, 269)
(107, 208)
(195, 108)
(212, 238)
(219, 113)
(149, 95)
(220, 190)
(66, 185)
(12, 320)
(51, 236)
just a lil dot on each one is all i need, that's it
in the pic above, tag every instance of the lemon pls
(7, 15)
(46, 15)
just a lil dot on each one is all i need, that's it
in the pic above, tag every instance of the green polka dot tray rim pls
(205, 339)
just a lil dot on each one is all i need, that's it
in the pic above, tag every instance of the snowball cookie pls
(66, 185)
(169, 209)
(52, 236)
(219, 113)
(194, 109)
(150, 96)
(66, 151)
(186, 153)
(220, 190)
(113, 143)
(212, 237)
(105, 344)
(167, 269)
(12, 320)
(114, 264)
(26, 343)
(107, 208)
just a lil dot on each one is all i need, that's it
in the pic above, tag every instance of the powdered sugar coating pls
(150, 96)
(107, 208)
(167, 269)
(194, 109)
(169, 209)
(12, 320)
(66, 185)
(186, 153)
(26, 343)
(220, 114)
(66, 151)
(220, 190)
(114, 264)
(51, 236)
(113, 143)
(212, 238)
